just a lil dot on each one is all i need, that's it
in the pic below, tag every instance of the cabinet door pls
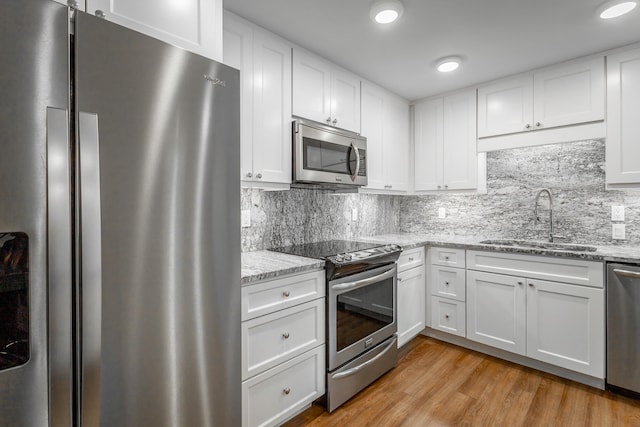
(271, 108)
(238, 53)
(373, 124)
(623, 126)
(396, 144)
(505, 106)
(496, 313)
(569, 94)
(411, 304)
(428, 145)
(460, 158)
(345, 100)
(195, 25)
(311, 87)
(565, 326)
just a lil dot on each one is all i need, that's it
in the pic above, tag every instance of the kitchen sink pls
(541, 245)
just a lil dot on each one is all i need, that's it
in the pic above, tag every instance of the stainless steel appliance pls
(361, 313)
(623, 324)
(326, 155)
(119, 226)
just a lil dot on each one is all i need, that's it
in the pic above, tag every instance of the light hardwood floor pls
(439, 384)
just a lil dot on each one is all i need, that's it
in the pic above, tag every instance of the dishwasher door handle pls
(627, 273)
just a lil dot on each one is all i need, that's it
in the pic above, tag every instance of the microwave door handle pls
(364, 282)
(355, 173)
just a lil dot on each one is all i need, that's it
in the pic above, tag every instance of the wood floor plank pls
(439, 384)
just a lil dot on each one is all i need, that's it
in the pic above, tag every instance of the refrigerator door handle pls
(91, 270)
(59, 259)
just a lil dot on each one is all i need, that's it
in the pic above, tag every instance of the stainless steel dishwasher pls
(623, 328)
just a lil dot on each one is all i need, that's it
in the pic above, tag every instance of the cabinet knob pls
(249, 174)
(527, 126)
(439, 187)
(286, 390)
(335, 121)
(100, 14)
(328, 119)
(285, 335)
(259, 175)
(410, 259)
(446, 258)
(531, 284)
(446, 316)
(399, 279)
(520, 283)
(538, 124)
(446, 186)
(446, 283)
(286, 294)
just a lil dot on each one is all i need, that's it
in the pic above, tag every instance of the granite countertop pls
(413, 240)
(262, 265)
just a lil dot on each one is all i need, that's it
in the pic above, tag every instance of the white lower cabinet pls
(411, 295)
(557, 322)
(283, 347)
(447, 285)
(274, 396)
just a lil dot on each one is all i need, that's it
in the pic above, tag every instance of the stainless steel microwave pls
(326, 155)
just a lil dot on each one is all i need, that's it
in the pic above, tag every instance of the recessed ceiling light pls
(448, 64)
(386, 11)
(615, 8)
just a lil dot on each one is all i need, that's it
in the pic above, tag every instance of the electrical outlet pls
(354, 214)
(442, 213)
(617, 213)
(617, 232)
(245, 218)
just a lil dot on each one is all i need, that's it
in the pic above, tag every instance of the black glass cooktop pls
(321, 250)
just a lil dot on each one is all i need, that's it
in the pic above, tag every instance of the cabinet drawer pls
(449, 257)
(448, 282)
(276, 337)
(410, 258)
(267, 297)
(448, 315)
(274, 396)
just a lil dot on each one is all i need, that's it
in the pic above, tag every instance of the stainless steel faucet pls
(535, 211)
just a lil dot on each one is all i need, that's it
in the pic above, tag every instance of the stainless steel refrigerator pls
(119, 226)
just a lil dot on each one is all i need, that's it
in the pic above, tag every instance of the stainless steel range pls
(361, 313)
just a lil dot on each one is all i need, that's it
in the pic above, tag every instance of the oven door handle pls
(360, 367)
(364, 282)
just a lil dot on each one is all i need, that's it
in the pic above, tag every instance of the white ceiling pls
(495, 38)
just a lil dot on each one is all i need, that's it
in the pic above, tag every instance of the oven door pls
(362, 313)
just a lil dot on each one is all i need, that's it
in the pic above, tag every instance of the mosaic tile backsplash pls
(574, 172)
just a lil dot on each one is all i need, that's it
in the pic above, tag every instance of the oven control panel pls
(364, 255)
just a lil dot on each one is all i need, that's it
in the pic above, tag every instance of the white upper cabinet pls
(195, 25)
(623, 117)
(324, 92)
(563, 95)
(445, 155)
(505, 106)
(264, 61)
(385, 124)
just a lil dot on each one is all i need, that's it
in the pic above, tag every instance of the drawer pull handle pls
(286, 390)
(286, 294)
(410, 259)
(285, 335)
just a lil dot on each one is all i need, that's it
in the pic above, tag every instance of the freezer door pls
(35, 239)
(158, 132)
